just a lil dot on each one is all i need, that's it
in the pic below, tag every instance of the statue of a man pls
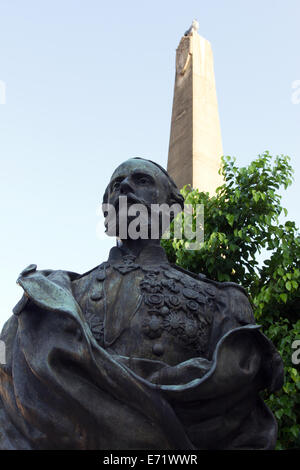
(136, 353)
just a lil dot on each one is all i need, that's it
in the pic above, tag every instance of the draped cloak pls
(61, 389)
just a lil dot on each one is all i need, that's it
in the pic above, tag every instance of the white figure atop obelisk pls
(195, 148)
(193, 28)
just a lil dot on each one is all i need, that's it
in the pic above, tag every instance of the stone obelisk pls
(195, 148)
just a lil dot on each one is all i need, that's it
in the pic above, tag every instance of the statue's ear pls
(178, 199)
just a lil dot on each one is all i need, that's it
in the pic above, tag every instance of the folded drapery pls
(61, 390)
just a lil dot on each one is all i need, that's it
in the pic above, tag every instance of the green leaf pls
(284, 297)
(288, 285)
(230, 218)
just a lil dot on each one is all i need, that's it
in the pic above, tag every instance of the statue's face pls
(143, 184)
(139, 180)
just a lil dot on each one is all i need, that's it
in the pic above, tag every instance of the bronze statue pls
(136, 353)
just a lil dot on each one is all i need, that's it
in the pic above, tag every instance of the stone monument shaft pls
(195, 147)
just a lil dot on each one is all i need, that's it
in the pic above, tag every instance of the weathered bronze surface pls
(136, 353)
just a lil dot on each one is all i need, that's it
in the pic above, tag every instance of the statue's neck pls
(135, 247)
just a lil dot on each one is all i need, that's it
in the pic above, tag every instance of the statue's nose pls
(126, 187)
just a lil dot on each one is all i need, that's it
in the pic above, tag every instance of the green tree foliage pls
(242, 225)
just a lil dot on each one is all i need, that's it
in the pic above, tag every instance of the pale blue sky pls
(90, 84)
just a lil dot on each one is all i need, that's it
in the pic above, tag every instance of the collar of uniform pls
(151, 254)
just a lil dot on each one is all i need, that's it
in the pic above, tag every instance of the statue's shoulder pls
(215, 284)
(85, 275)
(32, 269)
(230, 294)
(83, 282)
(31, 275)
(59, 275)
(100, 268)
(72, 282)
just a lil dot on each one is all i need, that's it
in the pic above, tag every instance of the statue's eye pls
(143, 180)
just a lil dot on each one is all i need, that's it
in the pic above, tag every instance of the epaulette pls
(202, 277)
(79, 276)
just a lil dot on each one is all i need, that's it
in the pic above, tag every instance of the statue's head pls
(143, 182)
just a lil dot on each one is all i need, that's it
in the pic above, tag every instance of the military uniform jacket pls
(135, 354)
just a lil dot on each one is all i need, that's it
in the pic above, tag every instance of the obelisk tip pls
(193, 28)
